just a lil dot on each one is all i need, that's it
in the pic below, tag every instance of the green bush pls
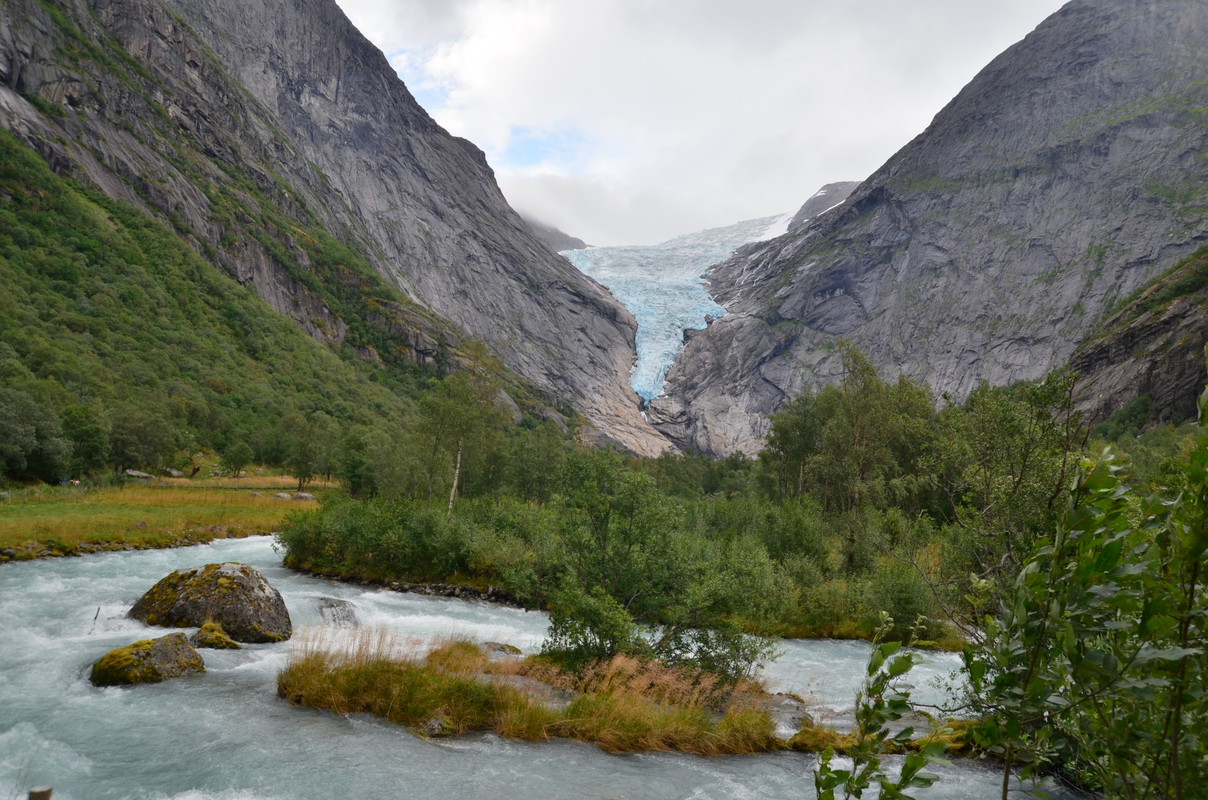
(898, 588)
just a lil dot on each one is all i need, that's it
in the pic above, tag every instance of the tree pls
(311, 445)
(637, 581)
(1098, 658)
(31, 440)
(85, 427)
(236, 458)
(138, 438)
(457, 415)
(794, 438)
(853, 444)
(536, 458)
(1003, 461)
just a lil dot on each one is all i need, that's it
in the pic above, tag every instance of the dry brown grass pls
(624, 706)
(277, 483)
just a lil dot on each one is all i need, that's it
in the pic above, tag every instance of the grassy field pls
(72, 519)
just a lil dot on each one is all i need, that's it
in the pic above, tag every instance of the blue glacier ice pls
(662, 287)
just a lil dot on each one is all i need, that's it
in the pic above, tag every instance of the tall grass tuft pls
(625, 705)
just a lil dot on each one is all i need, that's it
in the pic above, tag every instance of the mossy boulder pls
(211, 636)
(234, 595)
(148, 661)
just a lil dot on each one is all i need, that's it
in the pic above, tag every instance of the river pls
(225, 735)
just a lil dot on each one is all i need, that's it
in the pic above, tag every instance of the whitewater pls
(225, 735)
(662, 286)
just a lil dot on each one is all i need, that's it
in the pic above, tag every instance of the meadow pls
(67, 520)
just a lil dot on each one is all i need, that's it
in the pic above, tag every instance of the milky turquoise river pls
(225, 735)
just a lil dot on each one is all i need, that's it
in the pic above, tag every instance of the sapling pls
(882, 700)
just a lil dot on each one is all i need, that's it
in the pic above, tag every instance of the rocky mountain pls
(1066, 175)
(1153, 346)
(280, 143)
(823, 200)
(555, 239)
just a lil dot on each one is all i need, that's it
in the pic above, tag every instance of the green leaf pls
(1109, 556)
(901, 665)
(875, 660)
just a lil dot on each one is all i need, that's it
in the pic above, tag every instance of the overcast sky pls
(632, 121)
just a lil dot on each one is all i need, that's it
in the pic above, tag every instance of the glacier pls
(662, 286)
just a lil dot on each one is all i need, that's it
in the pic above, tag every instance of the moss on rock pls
(234, 595)
(211, 636)
(147, 661)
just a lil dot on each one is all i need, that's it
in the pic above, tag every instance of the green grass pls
(69, 519)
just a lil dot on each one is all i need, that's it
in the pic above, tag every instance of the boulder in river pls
(211, 636)
(231, 594)
(148, 661)
(338, 613)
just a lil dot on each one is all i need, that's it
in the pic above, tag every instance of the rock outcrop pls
(281, 144)
(234, 595)
(1066, 175)
(1152, 347)
(148, 661)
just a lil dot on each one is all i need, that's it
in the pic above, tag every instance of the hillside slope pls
(280, 143)
(1066, 175)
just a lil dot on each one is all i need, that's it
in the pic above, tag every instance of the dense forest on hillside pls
(122, 347)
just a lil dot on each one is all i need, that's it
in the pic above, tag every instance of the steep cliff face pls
(1063, 177)
(1152, 347)
(279, 141)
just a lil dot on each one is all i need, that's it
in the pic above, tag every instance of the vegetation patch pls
(68, 520)
(626, 705)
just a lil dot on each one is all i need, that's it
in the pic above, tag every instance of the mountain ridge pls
(1062, 178)
(261, 127)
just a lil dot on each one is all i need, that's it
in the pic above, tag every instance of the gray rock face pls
(248, 123)
(825, 199)
(234, 595)
(555, 239)
(1064, 176)
(148, 661)
(1161, 357)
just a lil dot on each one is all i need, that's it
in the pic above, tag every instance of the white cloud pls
(630, 121)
